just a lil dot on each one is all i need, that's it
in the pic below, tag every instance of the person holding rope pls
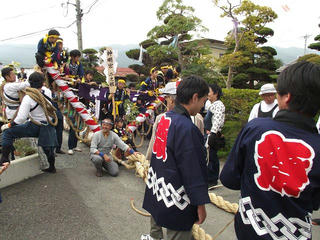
(37, 106)
(75, 73)
(275, 163)
(101, 146)
(10, 92)
(177, 184)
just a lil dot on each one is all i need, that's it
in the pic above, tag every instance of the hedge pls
(239, 102)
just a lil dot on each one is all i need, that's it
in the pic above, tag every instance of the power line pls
(67, 5)
(34, 33)
(91, 6)
(28, 13)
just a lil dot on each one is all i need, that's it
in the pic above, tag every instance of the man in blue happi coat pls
(177, 185)
(275, 163)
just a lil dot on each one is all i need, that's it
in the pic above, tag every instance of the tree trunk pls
(228, 83)
(230, 71)
(180, 58)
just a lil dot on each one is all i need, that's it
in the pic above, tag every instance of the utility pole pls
(78, 17)
(305, 42)
(79, 28)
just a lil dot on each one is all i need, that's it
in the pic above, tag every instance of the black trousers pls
(59, 131)
(213, 166)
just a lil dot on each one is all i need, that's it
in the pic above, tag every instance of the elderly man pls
(268, 107)
(101, 145)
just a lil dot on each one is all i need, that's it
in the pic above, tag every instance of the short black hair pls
(178, 69)
(75, 53)
(53, 32)
(89, 72)
(119, 119)
(132, 85)
(302, 81)
(216, 89)
(189, 86)
(6, 72)
(169, 74)
(36, 80)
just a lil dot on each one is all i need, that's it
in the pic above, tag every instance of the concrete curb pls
(21, 169)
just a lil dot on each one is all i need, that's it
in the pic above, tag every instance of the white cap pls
(169, 89)
(267, 88)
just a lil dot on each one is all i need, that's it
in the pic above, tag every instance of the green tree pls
(244, 56)
(170, 42)
(178, 21)
(316, 45)
(89, 58)
(90, 62)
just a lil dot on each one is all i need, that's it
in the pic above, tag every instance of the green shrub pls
(238, 103)
(230, 131)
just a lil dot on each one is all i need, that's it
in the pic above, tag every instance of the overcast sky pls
(128, 21)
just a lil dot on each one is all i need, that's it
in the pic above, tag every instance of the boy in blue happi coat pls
(48, 49)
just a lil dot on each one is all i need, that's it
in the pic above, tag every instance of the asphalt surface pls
(75, 204)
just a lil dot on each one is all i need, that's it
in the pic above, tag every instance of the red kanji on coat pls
(160, 143)
(283, 164)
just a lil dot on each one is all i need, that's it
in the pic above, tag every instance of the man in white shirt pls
(11, 91)
(39, 125)
(268, 107)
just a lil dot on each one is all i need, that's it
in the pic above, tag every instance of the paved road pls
(75, 204)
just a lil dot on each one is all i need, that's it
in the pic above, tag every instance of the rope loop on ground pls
(223, 204)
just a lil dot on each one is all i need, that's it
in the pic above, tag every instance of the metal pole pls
(305, 42)
(79, 16)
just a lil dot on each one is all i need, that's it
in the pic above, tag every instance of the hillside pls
(25, 54)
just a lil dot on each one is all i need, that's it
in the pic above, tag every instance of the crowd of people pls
(275, 158)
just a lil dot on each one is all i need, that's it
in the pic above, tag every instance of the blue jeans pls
(29, 129)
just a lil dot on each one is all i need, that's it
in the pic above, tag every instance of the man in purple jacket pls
(177, 186)
(276, 162)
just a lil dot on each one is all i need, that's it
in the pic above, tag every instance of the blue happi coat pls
(177, 177)
(276, 165)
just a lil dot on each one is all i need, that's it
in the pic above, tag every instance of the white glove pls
(5, 127)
